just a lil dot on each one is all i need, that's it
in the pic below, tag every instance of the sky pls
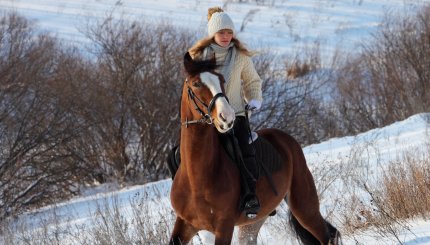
(285, 27)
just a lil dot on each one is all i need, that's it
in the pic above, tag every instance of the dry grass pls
(400, 194)
(351, 200)
(112, 222)
(406, 189)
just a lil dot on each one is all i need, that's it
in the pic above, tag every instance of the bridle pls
(206, 117)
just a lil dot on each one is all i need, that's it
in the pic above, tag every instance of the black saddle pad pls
(267, 156)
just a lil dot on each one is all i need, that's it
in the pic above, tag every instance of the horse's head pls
(206, 92)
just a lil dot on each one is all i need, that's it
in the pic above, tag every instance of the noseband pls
(206, 117)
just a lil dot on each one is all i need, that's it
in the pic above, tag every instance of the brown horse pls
(206, 188)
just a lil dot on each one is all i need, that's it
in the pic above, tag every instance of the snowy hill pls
(283, 26)
(387, 144)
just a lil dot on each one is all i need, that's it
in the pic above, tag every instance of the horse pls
(206, 188)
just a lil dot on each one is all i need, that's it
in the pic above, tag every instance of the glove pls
(253, 105)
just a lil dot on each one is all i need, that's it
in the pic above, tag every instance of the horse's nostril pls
(222, 117)
(230, 124)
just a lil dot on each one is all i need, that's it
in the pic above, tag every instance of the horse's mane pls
(195, 67)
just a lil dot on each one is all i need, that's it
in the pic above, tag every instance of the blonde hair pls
(197, 49)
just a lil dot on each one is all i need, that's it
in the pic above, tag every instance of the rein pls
(205, 117)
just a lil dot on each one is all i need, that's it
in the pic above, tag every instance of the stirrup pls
(251, 207)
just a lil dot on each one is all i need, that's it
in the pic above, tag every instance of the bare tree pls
(140, 71)
(35, 166)
(294, 103)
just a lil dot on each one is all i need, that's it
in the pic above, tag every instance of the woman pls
(242, 87)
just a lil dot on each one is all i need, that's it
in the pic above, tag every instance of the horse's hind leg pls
(182, 232)
(248, 234)
(304, 206)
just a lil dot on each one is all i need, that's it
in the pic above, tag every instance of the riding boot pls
(251, 205)
(249, 169)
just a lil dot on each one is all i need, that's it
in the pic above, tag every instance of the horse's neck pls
(200, 149)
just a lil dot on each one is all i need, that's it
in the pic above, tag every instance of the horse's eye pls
(197, 84)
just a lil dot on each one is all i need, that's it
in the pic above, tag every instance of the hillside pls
(381, 147)
(343, 167)
(283, 26)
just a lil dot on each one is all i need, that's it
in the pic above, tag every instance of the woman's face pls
(223, 37)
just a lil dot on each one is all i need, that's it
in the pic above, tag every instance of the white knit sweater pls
(244, 84)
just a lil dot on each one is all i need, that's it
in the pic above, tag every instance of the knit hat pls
(219, 21)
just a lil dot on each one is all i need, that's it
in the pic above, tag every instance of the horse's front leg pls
(248, 234)
(224, 234)
(182, 233)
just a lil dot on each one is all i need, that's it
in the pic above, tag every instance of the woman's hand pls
(253, 105)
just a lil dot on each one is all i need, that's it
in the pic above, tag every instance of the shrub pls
(388, 80)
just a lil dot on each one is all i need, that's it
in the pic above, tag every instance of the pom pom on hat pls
(218, 21)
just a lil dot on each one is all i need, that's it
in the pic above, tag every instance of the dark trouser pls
(249, 168)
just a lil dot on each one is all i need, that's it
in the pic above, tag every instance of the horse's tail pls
(302, 234)
(307, 238)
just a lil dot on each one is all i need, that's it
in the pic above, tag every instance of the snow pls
(285, 27)
(400, 137)
(386, 142)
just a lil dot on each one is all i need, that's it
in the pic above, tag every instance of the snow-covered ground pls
(283, 26)
(382, 145)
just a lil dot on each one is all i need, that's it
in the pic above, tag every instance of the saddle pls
(267, 157)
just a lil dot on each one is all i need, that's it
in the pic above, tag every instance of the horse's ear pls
(194, 67)
(211, 63)
(188, 62)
